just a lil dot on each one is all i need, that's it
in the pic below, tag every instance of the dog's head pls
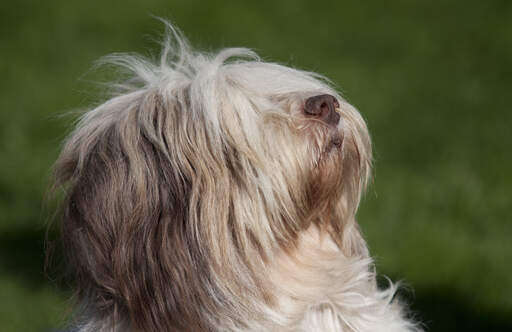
(184, 186)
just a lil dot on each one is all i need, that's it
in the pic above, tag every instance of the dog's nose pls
(323, 107)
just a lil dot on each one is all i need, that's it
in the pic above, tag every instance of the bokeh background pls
(432, 79)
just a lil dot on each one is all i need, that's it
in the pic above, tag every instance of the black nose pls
(323, 107)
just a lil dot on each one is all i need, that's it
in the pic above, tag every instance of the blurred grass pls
(431, 78)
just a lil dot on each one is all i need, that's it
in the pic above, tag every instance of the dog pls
(218, 192)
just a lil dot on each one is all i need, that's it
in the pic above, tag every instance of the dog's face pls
(184, 188)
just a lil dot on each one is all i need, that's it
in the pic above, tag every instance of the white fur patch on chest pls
(318, 288)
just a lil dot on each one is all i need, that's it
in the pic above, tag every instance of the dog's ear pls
(126, 216)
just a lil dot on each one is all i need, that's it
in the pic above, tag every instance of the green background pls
(432, 79)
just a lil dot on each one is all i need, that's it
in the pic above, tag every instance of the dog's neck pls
(320, 288)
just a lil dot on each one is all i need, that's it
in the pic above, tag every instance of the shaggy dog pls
(217, 192)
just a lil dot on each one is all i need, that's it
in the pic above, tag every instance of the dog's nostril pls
(323, 107)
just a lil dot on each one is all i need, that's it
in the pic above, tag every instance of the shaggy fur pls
(202, 197)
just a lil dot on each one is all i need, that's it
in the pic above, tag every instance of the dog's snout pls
(323, 107)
